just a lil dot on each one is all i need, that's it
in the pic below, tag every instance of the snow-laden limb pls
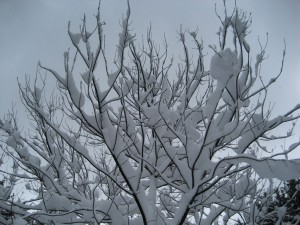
(271, 168)
(142, 147)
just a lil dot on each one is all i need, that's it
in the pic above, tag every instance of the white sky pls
(34, 30)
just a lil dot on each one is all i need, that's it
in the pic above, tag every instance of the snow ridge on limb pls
(144, 147)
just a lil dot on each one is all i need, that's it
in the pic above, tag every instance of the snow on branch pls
(125, 142)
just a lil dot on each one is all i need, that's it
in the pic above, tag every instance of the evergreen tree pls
(283, 207)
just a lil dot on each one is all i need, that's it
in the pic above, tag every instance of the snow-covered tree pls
(143, 141)
(285, 198)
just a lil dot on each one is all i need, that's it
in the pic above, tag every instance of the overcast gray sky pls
(34, 30)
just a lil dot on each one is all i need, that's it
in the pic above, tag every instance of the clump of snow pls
(112, 78)
(223, 65)
(75, 38)
(34, 160)
(86, 77)
(54, 201)
(37, 93)
(76, 95)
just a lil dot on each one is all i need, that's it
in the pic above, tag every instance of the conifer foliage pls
(283, 206)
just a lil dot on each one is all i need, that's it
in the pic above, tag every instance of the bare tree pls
(147, 147)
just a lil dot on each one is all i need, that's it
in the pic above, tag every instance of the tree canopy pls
(146, 139)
